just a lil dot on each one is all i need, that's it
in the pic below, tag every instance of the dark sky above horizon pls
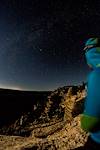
(41, 42)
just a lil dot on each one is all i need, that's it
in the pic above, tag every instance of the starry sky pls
(41, 42)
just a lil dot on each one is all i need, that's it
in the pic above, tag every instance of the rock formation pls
(56, 128)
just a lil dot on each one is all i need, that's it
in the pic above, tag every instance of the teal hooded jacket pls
(90, 119)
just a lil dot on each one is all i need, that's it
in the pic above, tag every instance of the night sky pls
(41, 42)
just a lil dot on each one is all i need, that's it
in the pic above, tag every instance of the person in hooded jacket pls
(90, 118)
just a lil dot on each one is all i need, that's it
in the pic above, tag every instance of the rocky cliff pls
(53, 124)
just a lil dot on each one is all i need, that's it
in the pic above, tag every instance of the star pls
(40, 49)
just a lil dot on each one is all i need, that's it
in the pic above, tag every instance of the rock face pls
(57, 127)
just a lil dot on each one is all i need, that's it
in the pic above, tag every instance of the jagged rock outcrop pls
(57, 127)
